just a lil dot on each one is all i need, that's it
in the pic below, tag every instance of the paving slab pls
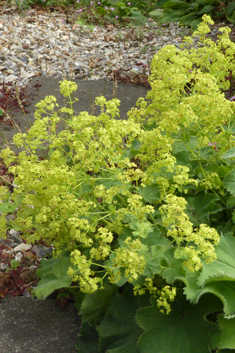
(87, 91)
(36, 326)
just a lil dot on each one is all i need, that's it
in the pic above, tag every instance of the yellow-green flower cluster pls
(129, 258)
(181, 179)
(137, 208)
(83, 274)
(166, 295)
(104, 238)
(163, 296)
(186, 89)
(192, 244)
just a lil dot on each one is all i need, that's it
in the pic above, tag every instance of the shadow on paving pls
(87, 91)
(34, 326)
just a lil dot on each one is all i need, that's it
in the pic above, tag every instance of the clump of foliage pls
(140, 211)
(115, 11)
(189, 13)
(98, 11)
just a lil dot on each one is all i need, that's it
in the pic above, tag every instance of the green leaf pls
(153, 265)
(206, 9)
(1, 112)
(173, 269)
(182, 158)
(223, 170)
(229, 182)
(230, 9)
(161, 3)
(141, 228)
(150, 193)
(184, 330)
(171, 15)
(230, 12)
(59, 267)
(156, 238)
(223, 268)
(93, 305)
(156, 15)
(229, 154)
(132, 151)
(8, 207)
(53, 274)
(225, 291)
(228, 329)
(78, 298)
(108, 181)
(200, 207)
(88, 341)
(187, 19)
(176, 3)
(231, 201)
(118, 331)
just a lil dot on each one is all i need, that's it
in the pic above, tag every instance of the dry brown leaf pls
(74, 26)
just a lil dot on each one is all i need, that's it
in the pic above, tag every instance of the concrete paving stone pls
(37, 326)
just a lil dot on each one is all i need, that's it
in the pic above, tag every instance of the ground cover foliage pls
(189, 13)
(124, 12)
(140, 211)
(95, 12)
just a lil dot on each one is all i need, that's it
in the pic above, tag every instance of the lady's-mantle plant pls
(140, 211)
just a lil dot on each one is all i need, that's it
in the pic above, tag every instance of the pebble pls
(44, 45)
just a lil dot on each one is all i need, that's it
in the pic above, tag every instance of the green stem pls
(163, 249)
(196, 157)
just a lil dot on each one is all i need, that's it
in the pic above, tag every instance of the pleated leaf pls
(53, 274)
(88, 341)
(184, 330)
(200, 206)
(228, 335)
(118, 331)
(94, 304)
(222, 269)
(229, 182)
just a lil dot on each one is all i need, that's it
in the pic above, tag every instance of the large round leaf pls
(184, 330)
(118, 331)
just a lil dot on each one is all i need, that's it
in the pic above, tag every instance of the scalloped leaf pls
(94, 304)
(88, 341)
(229, 154)
(53, 274)
(229, 182)
(159, 247)
(150, 193)
(118, 331)
(184, 330)
(225, 291)
(153, 265)
(228, 336)
(173, 268)
(200, 206)
(8, 207)
(222, 269)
